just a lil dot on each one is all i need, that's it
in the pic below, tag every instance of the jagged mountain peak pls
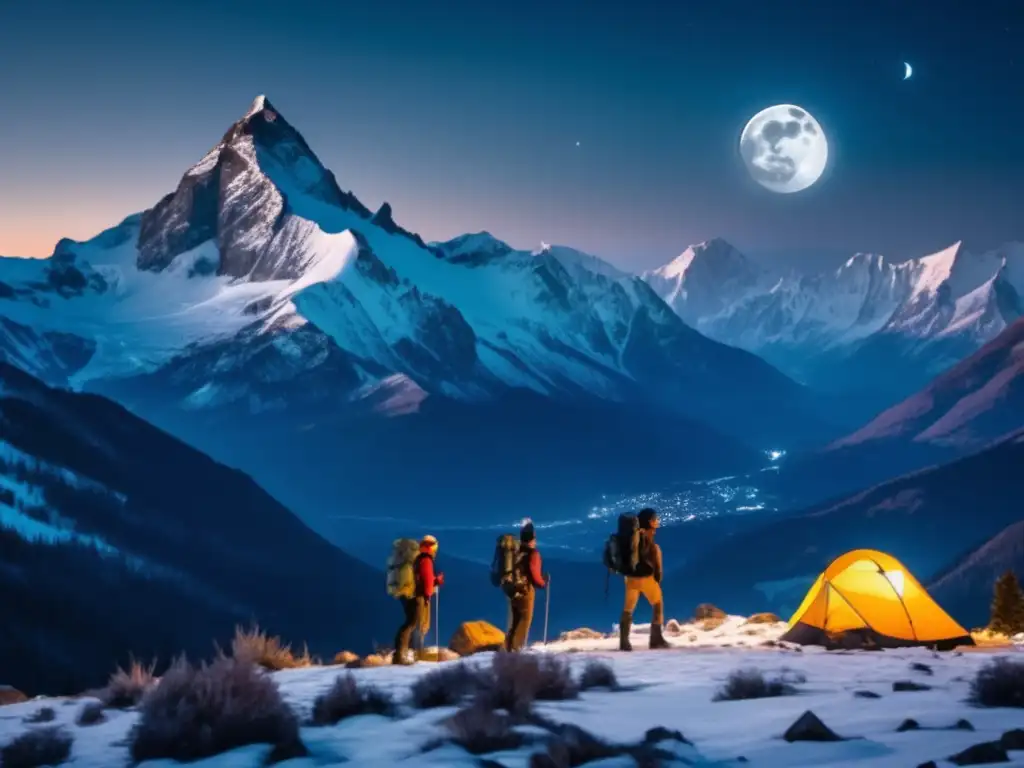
(716, 255)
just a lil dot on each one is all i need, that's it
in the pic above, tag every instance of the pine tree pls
(1007, 605)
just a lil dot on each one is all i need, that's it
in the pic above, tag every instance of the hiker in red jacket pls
(527, 580)
(417, 608)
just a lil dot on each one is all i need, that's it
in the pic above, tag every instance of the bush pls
(478, 729)
(91, 714)
(346, 698)
(256, 647)
(446, 686)
(597, 674)
(1000, 683)
(42, 715)
(38, 747)
(751, 684)
(516, 680)
(127, 687)
(197, 712)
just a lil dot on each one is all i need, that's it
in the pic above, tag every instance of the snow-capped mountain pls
(869, 324)
(117, 538)
(260, 293)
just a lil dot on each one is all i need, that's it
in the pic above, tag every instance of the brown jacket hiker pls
(531, 579)
(646, 582)
(417, 609)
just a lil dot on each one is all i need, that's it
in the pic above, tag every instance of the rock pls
(981, 754)
(964, 725)
(1013, 739)
(908, 725)
(763, 618)
(584, 633)
(909, 685)
(929, 764)
(476, 636)
(660, 733)
(712, 623)
(373, 660)
(708, 611)
(673, 627)
(10, 695)
(866, 695)
(923, 668)
(437, 654)
(345, 657)
(808, 727)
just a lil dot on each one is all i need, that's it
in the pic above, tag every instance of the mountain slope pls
(967, 587)
(867, 325)
(260, 305)
(923, 519)
(116, 538)
(974, 403)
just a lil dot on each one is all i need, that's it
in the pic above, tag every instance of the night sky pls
(466, 116)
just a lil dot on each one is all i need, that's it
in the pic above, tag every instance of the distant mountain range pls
(870, 328)
(926, 519)
(267, 316)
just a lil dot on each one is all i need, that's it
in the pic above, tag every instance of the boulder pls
(866, 695)
(808, 727)
(981, 754)
(909, 685)
(713, 622)
(763, 618)
(908, 725)
(10, 695)
(437, 654)
(1013, 739)
(373, 660)
(345, 657)
(708, 611)
(476, 636)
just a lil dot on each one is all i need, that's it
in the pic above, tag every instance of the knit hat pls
(648, 518)
(526, 533)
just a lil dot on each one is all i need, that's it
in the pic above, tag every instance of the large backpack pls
(622, 550)
(506, 572)
(401, 574)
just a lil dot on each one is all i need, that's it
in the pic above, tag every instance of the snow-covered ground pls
(672, 688)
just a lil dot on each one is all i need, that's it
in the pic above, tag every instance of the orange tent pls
(869, 598)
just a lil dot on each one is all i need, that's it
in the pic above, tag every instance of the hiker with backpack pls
(411, 580)
(633, 553)
(516, 568)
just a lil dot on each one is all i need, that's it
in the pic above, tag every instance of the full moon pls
(784, 148)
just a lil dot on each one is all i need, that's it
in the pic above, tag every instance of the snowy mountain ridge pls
(934, 310)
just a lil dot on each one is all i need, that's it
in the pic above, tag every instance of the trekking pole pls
(437, 622)
(547, 608)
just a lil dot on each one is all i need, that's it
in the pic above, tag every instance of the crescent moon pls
(909, 71)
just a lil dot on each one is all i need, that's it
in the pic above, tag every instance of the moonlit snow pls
(671, 688)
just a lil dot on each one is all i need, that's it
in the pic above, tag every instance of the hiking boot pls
(625, 624)
(657, 638)
(402, 659)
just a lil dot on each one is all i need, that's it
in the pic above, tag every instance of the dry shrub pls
(446, 686)
(202, 711)
(1000, 683)
(597, 674)
(346, 698)
(752, 684)
(516, 680)
(256, 647)
(37, 747)
(126, 687)
(91, 714)
(479, 730)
